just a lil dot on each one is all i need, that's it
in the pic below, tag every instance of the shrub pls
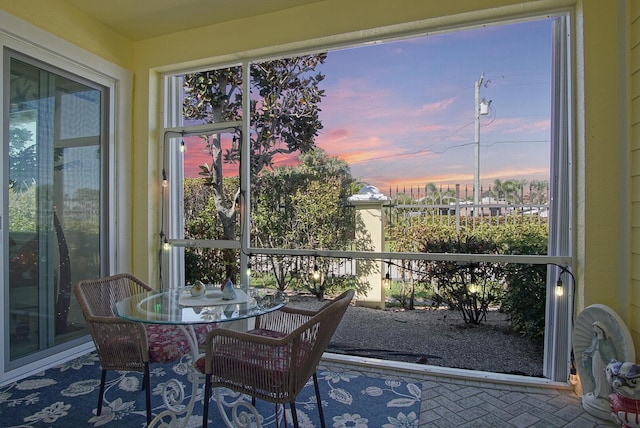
(472, 287)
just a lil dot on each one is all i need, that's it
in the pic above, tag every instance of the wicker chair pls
(126, 345)
(274, 361)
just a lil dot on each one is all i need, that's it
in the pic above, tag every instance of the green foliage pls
(23, 160)
(201, 222)
(513, 191)
(22, 209)
(304, 207)
(472, 287)
(525, 297)
(284, 117)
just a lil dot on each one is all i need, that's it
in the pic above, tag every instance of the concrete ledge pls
(424, 370)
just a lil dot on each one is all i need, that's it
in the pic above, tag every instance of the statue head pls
(599, 330)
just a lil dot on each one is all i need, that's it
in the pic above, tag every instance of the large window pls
(457, 131)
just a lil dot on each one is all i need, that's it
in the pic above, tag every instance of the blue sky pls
(402, 113)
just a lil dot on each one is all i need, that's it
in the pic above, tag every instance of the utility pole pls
(481, 109)
(476, 158)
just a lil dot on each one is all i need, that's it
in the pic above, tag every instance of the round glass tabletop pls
(177, 306)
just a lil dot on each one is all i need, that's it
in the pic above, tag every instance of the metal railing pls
(454, 205)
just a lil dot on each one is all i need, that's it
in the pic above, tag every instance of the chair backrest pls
(315, 335)
(97, 297)
(120, 344)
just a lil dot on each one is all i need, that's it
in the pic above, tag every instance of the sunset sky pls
(402, 113)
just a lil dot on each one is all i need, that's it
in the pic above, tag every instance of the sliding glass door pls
(54, 137)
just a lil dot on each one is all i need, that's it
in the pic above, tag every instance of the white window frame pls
(559, 309)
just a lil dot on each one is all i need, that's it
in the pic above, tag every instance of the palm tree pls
(509, 190)
(539, 192)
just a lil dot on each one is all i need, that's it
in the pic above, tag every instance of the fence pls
(454, 205)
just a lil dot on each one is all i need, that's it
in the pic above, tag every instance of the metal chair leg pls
(205, 402)
(103, 379)
(146, 384)
(317, 388)
(294, 414)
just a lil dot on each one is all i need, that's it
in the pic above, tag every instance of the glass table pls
(178, 307)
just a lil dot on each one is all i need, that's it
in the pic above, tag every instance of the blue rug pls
(66, 396)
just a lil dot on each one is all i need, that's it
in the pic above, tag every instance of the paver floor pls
(459, 402)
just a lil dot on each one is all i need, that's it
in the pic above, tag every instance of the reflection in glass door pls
(55, 176)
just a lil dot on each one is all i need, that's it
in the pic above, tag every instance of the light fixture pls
(182, 146)
(165, 182)
(316, 272)
(559, 288)
(166, 246)
(387, 275)
(473, 289)
(249, 267)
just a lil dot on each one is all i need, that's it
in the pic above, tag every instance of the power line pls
(446, 149)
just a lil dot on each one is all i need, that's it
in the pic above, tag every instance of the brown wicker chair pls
(120, 344)
(274, 361)
(127, 345)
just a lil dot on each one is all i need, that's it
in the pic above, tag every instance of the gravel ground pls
(437, 337)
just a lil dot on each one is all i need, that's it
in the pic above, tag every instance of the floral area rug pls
(67, 395)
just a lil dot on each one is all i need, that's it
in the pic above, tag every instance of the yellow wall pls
(69, 23)
(602, 154)
(634, 135)
(604, 243)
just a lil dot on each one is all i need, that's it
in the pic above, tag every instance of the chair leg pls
(146, 385)
(206, 399)
(317, 388)
(103, 379)
(294, 414)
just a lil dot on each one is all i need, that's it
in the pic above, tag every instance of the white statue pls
(599, 336)
(596, 357)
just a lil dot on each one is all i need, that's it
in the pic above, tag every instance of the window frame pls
(58, 53)
(560, 255)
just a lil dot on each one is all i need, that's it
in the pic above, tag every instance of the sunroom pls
(117, 70)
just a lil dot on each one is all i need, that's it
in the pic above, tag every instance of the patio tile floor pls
(456, 401)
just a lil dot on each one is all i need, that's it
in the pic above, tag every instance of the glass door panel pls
(55, 178)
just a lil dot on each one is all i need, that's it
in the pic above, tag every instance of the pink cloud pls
(435, 107)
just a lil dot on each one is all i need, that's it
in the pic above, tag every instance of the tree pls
(22, 158)
(437, 196)
(509, 190)
(284, 117)
(539, 192)
(303, 207)
(201, 222)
